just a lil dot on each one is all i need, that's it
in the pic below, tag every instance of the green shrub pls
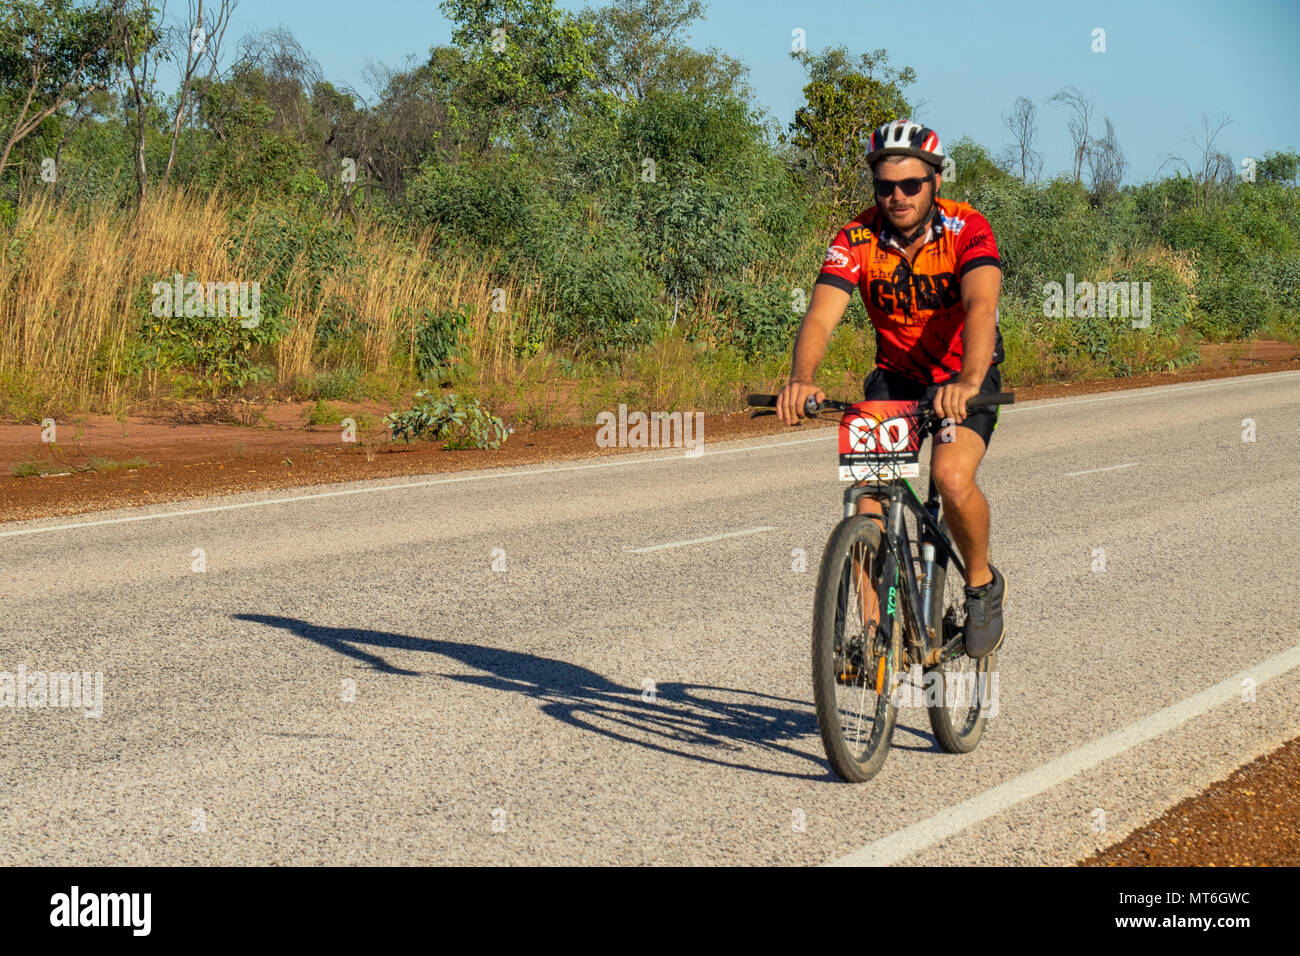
(438, 338)
(490, 203)
(341, 384)
(323, 413)
(217, 349)
(457, 422)
(763, 319)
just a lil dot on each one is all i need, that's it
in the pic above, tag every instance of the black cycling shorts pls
(883, 385)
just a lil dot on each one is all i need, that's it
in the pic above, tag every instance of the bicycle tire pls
(861, 758)
(958, 729)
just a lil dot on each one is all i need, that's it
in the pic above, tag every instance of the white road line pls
(901, 844)
(831, 433)
(1093, 471)
(520, 473)
(712, 537)
(1148, 392)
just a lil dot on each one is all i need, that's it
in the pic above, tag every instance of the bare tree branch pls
(1214, 166)
(1106, 162)
(201, 39)
(1079, 123)
(1022, 124)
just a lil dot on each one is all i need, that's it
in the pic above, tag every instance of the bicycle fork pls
(929, 563)
(900, 584)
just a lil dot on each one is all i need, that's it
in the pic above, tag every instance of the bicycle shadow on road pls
(698, 722)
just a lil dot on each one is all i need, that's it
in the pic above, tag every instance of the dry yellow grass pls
(70, 288)
(1136, 260)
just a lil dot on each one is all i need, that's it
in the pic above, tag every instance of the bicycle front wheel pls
(854, 664)
(961, 692)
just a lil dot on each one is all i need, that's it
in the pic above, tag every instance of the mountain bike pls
(890, 598)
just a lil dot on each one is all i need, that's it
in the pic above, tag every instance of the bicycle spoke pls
(855, 695)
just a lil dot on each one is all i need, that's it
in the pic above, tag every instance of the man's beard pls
(921, 224)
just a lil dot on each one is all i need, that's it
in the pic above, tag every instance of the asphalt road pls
(349, 680)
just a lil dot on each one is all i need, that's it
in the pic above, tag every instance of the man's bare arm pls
(980, 288)
(979, 297)
(824, 313)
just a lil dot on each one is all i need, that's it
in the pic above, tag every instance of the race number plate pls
(879, 441)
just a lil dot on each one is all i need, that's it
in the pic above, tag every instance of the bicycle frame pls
(922, 635)
(901, 497)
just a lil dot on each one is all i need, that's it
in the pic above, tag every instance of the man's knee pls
(952, 466)
(954, 483)
(954, 476)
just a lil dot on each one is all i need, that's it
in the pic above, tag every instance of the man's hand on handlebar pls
(950, 401)
(790, 401)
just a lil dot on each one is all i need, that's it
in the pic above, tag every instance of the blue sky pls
(1166, 63)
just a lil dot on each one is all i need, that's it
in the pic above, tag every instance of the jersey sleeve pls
(976, 246)
(840, 268)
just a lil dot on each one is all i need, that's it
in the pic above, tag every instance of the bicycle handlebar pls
(811, 407)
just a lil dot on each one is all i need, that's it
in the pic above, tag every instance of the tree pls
(843, 103)
(202, 40)
(284, 75)
(1022, 124)
(1080, 108)
(411, 123)
(1213, 167)
(1106, 162)
(524, 65)
(1280, 167)
(52, 52)
(250, 153)
(976, 168)
(636, 50)
(139, 36)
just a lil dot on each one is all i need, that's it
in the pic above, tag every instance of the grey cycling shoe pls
(984, 630)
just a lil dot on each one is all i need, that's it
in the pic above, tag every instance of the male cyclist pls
(929, 274)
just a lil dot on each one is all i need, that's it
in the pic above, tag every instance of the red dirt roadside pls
(1250, 819)
(196, 451)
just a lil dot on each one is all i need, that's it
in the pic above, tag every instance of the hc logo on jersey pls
(953, 224)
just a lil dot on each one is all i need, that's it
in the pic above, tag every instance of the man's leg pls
(953, 464)
(870, 601)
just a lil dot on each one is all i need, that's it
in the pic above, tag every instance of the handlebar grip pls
(988, 401)
(810, 405)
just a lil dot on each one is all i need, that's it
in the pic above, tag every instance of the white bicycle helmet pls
(906, 138)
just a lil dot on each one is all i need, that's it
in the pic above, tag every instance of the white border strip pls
(712, 537)
(623, 460)
(518, 473)
(1093, 471)
(1150, 390)
(901, 844)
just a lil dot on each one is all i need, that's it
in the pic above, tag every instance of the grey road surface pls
(608, 661)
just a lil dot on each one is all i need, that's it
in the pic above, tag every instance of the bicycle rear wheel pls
(959, 693)
(854, 664)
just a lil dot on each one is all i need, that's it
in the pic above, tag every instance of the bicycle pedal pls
(849, 675)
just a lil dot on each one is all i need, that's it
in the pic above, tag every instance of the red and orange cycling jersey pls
(916, 308)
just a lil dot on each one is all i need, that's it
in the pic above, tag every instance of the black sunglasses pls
(910, 187)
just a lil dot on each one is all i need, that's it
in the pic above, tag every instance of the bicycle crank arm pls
(940, 655)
